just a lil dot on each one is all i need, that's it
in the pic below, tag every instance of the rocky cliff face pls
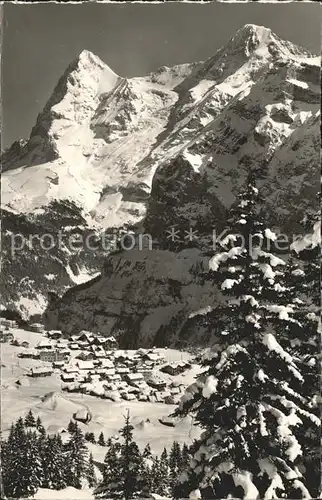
(166, 152)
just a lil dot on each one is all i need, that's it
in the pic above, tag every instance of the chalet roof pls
(153, 356)
(41, 369)
(67, 376)
(85, 365)
(135, 376)
(154, 379)
(44, 343)
(71, 369)
(107, 363)
(122, 370)
(114, 377)
(30, 352)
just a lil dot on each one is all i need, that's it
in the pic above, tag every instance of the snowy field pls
(57, 408)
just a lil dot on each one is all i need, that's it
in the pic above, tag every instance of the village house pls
(68, 377)
(93, 377)
(70, 387)
(177, 384)
(122, 371)
(86, 336)
(8, 323)
(154, 357)
(74, 346)
(71, 369)
(51, 355)
(105, 372)
(85, 387)
(110, 343)
(29, 353)
(65, 352)
(58, 364)
(36, 327)
(128, 396)
(86, 356)
(156, 382)
(44, 344)
(6, 336)
(106, 363)
(85, 365)
(83, 344)
(41, 371)
(113, 378)
(62, 344)
(99, 353)
(99, 341)
(54, 334)
(175, 368)
(134, 378)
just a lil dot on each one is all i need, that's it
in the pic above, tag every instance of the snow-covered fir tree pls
(77, 458)
(162, 482)
(54, 463)
(250, 399)
(101, 439)
(72, 425)
(40, 427)
(307, 331)
(147, 451)
(22, 473)
(123, 475)
(90, 437)
(111, 483)
(91, 476)
(30, 420)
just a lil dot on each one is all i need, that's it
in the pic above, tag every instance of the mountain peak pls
(87, 59)
(251, 37)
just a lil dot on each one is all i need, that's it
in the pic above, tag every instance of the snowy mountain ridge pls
(171, 148)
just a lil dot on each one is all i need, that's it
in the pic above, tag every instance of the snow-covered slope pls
(171, 148)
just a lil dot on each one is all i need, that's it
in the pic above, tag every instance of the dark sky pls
(40, 40)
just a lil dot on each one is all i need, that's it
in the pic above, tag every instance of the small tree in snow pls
(72, 425)
(77, 455)
(111, 484)
(91, 477)
(54, 463)
(30, 420)
(101, 439)
(123, 475)
(147, 451)
(90, 437)
(22, 471)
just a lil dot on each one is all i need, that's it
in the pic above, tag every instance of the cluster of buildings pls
(91, 364)
(129, 377)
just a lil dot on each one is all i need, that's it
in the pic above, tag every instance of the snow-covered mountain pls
(169, 149)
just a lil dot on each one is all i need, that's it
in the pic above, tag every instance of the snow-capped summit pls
(253, 38)
(249, 38)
